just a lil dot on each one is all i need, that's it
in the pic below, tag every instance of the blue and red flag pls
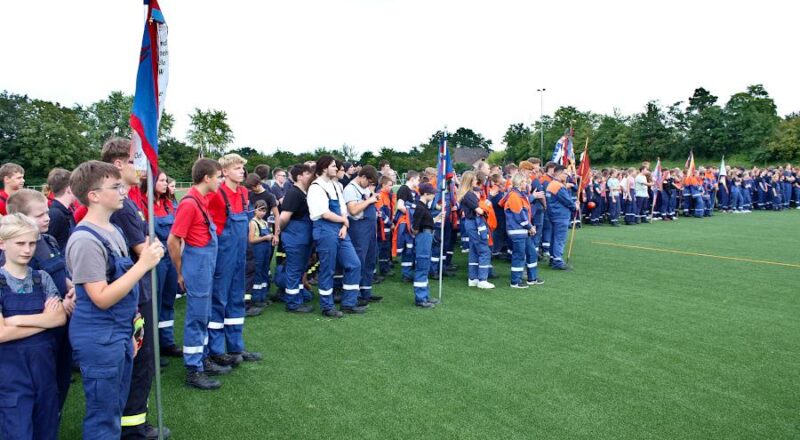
(151, 88)
(563, 153)
(658, 176)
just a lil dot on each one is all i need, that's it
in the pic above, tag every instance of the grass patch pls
(633, 344)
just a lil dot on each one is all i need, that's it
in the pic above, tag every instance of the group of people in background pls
(635, 196)
(76, 263)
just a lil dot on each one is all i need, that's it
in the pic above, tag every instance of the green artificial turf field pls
(633, 344)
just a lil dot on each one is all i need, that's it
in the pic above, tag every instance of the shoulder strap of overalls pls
(36, 277)
(51, 241)
(200, 206)
(227, 202)
(106, 244)
(323, 189)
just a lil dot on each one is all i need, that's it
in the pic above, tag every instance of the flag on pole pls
(690, 164)
(658, 177)
(563, 153)
(722, 170)
(151, 88)
(584, 169)
(444, 168)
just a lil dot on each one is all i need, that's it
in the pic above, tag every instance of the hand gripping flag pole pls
(148, 105)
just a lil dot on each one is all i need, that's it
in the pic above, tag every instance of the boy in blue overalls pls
(192, 244)
(228, 209)
(30, 310)
(422, 226)
(360, 202)
(561, 208)
(49, 258)
(296, 229)
(106, 285)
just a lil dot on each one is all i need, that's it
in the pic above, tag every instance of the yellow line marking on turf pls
(697, 254)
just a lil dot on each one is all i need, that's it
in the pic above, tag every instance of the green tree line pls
(41, 135)
(747, 127)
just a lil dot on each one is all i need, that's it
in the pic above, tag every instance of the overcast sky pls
(302, 74)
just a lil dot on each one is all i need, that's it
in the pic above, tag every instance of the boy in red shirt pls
(192, 245)
(228, 209)
(13, 177)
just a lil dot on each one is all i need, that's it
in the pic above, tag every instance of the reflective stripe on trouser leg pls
(234, 313)
(327, 247)
(517, 259)
(559, 240)
(296, 262)
(350, 264)
(364, 240)
(198, 274)
(468, 227)
(260, 252)
(407, 256)
(143, 365)
(423, 242)
(532, 259)
(104, 410)
(167, 289)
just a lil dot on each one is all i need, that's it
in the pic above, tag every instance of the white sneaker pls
(519, 286)
(472, 283)
(485, 285)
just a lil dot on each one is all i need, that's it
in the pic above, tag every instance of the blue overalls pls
(331, 250)
(227, 298)
(697, 198)
(167, 283)
(786, 188)
(523, 249)
(101, 343)
(198, 268)
(423, 242)
(480, 256)
(55, 266)
(262, 253)
(560, 208)
(537, 206)
(364, 235)
(614, 206)
(29, 392)
(296, 241)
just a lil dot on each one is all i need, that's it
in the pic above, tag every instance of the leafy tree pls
(751, 120)
(785, 145)
(649, 135)
(176, 158)
(210, 132)
(520, 143)
(47, 136)
(107, 118)
(466, 137)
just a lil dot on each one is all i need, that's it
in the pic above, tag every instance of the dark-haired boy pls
(192, 244)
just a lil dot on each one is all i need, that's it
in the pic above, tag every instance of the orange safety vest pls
(385, 198)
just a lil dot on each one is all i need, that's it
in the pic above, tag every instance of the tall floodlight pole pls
(541, 122)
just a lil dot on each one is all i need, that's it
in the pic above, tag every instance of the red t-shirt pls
(190, 224)
(216, 204)
(163, 207)
(80, 213)
(3, 200)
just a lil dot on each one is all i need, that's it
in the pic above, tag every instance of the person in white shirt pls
(325, 200)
